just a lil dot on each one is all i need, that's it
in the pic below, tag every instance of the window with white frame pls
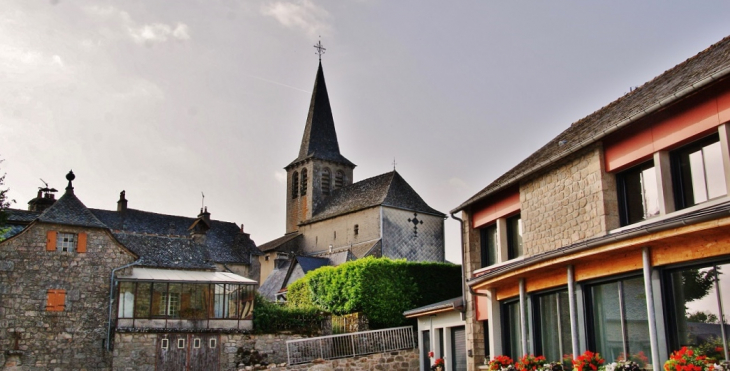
(697, 172)
(66, 241)
(638, 193)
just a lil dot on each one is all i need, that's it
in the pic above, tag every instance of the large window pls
(698, 298)
(514, 237)
(489, 245)
(638, 193)
(698, 172)
(512, 329)
(144, 300)
(552, 331)
(619, 324)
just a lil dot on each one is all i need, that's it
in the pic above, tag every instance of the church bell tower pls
(319, 170)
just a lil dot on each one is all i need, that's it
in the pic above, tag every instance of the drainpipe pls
(112, 282)
(463, 263)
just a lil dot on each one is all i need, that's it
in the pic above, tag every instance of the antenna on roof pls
(202, 203)
(320, 48)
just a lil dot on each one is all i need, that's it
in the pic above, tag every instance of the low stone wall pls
(404, 360)
(137, 351)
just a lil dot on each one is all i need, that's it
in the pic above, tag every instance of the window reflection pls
(638, 193)
(699, 174)
(554, 325)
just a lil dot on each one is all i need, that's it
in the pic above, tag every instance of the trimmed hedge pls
(270, 318)
(381, 288)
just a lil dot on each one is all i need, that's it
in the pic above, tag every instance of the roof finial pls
(70, 177)
(394, 163)
(320, 49)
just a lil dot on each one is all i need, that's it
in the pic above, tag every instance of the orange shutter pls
(81, 246)
(56, 301)
(51, 241)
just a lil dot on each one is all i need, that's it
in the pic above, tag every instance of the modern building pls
(84, 288)
(614, 236)
(441, 334)
(326, 213)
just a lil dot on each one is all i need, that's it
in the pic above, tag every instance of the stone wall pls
(73, 338)
(471, 258)
(340, 232)
(137, 351)
(571, 202)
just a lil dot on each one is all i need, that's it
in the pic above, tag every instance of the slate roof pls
(389, 189)
(311, 263)
(70, 210)
(274, 282)
(274, 245)
(21, 216)
(167, 252)
(710, 64)
(320, 138)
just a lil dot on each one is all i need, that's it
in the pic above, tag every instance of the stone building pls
(326, 213)
(76, 281)
(612, 236)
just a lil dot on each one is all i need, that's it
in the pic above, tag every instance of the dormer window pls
(294, 185)
(339, 179)
(303, 191)
(326, 180)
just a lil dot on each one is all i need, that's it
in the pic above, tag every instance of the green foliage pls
(380, 288)
(269, 318)
(702, 317)
(697, 284)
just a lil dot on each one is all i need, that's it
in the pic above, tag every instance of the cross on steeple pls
(320, 49)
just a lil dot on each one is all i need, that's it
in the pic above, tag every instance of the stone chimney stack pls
(44, 199)
(122, 203)
(205, 215)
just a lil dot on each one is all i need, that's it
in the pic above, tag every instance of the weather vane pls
(320, 49)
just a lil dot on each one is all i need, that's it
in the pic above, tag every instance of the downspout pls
(463, 263)
(112, 282)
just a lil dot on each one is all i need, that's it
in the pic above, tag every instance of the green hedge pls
(380, 288)
(269, 318)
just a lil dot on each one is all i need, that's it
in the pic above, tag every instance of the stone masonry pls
(71, 339)
(567, 203)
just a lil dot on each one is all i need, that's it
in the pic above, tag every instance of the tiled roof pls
(320, 138)
(366, 249)
(21, 216)
(275, 245)
(224, 241)
(709, 65)
(70, 210)
(274, 282)
(389, 189)
(311, 263)
(168, 252)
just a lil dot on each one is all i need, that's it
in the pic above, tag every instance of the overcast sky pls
(165, 99)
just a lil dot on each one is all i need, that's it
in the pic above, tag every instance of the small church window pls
(339, 179)
(304, 183)
(295, 185)
(326, 182)
(357, 229)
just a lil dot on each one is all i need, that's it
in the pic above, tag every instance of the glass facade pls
(699, 296)
(174, 300)
(620, 325)
(698, 172)
(553, 316)
(638, 193)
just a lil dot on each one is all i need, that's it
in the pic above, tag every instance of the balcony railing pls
(349, 345)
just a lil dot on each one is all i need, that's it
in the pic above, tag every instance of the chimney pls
(205, 215)
(44, 199)
(122, 203)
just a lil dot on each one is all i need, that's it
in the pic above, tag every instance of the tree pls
(702, 317)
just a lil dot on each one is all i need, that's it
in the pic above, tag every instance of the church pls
(331, 220)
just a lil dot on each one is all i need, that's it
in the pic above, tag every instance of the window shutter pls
(51, 241)
(81, 245)
(56, 301)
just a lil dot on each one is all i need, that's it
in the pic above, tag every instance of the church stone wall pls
(71, 339)
(412, 236)
(340, 231)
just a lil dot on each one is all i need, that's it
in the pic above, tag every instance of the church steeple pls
(320, 137)
(319, 169)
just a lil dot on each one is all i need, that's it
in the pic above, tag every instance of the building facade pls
(76, 282)
(612, 237)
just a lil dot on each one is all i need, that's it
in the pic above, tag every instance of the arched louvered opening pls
(339, 179)
(303, 191)
(294, 185)
(326, 180)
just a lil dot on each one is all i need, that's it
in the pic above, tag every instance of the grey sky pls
(166, 99)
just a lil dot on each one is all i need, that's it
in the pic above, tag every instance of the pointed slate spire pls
(320, 138)
(70, 210)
